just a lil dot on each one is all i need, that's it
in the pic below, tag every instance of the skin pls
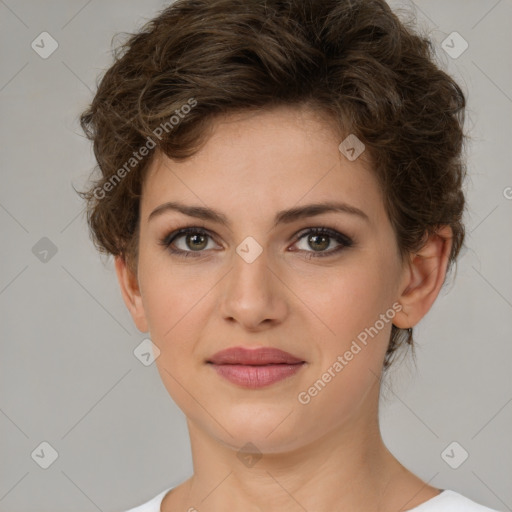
(327, 454)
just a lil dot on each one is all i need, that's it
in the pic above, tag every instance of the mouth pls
(255, 368)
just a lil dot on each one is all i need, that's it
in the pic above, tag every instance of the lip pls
(253, 356)
(255, 368)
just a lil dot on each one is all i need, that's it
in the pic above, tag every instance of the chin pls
(272, 428)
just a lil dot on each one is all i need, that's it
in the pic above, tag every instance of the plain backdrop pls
(69, 376)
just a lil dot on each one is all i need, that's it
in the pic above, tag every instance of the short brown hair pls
(353, 59)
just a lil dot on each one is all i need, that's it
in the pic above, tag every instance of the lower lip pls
(256, 376)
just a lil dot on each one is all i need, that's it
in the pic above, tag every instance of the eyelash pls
(342, 239)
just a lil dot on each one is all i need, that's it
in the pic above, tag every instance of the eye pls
(320, 239)
(195, 240)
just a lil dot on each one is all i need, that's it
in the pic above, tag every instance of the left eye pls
(197, 239)
(320, 239)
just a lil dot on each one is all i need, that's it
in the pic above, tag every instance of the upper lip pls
(253, 356)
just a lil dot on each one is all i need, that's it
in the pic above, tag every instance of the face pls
(251, 282)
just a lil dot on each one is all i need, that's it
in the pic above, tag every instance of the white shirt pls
(447, 501)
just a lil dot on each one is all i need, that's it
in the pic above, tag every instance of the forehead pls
(256, 163)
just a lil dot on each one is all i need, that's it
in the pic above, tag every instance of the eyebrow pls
(282, 217)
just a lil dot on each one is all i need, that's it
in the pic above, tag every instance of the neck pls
(349, 469)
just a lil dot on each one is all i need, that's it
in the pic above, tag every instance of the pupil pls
(324, 246)
(196, 236)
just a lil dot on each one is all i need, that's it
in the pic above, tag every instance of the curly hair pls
(354, 60)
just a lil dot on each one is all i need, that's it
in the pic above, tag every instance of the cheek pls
(349, 358)
(347, 299)
(172, 310)
(175, 310)
(351, 303)
(177, 300)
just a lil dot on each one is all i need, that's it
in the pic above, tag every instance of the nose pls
(254, 295)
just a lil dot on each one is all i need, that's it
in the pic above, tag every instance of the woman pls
(282, 192)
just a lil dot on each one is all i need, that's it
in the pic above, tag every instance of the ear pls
(131, 293)
(424, 276)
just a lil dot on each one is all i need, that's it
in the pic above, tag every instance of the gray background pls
(68, 372)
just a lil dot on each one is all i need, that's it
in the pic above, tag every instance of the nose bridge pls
(250, 265)
(249, 276)
(253, 293)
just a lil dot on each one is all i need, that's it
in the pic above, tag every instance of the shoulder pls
(451, 501)
(153, 505)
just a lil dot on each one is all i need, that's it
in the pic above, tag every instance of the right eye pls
(193, 237)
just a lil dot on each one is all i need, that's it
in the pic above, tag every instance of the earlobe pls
(131, 293)
(423, 278)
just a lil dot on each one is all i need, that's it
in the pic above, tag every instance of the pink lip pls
(254, 368)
